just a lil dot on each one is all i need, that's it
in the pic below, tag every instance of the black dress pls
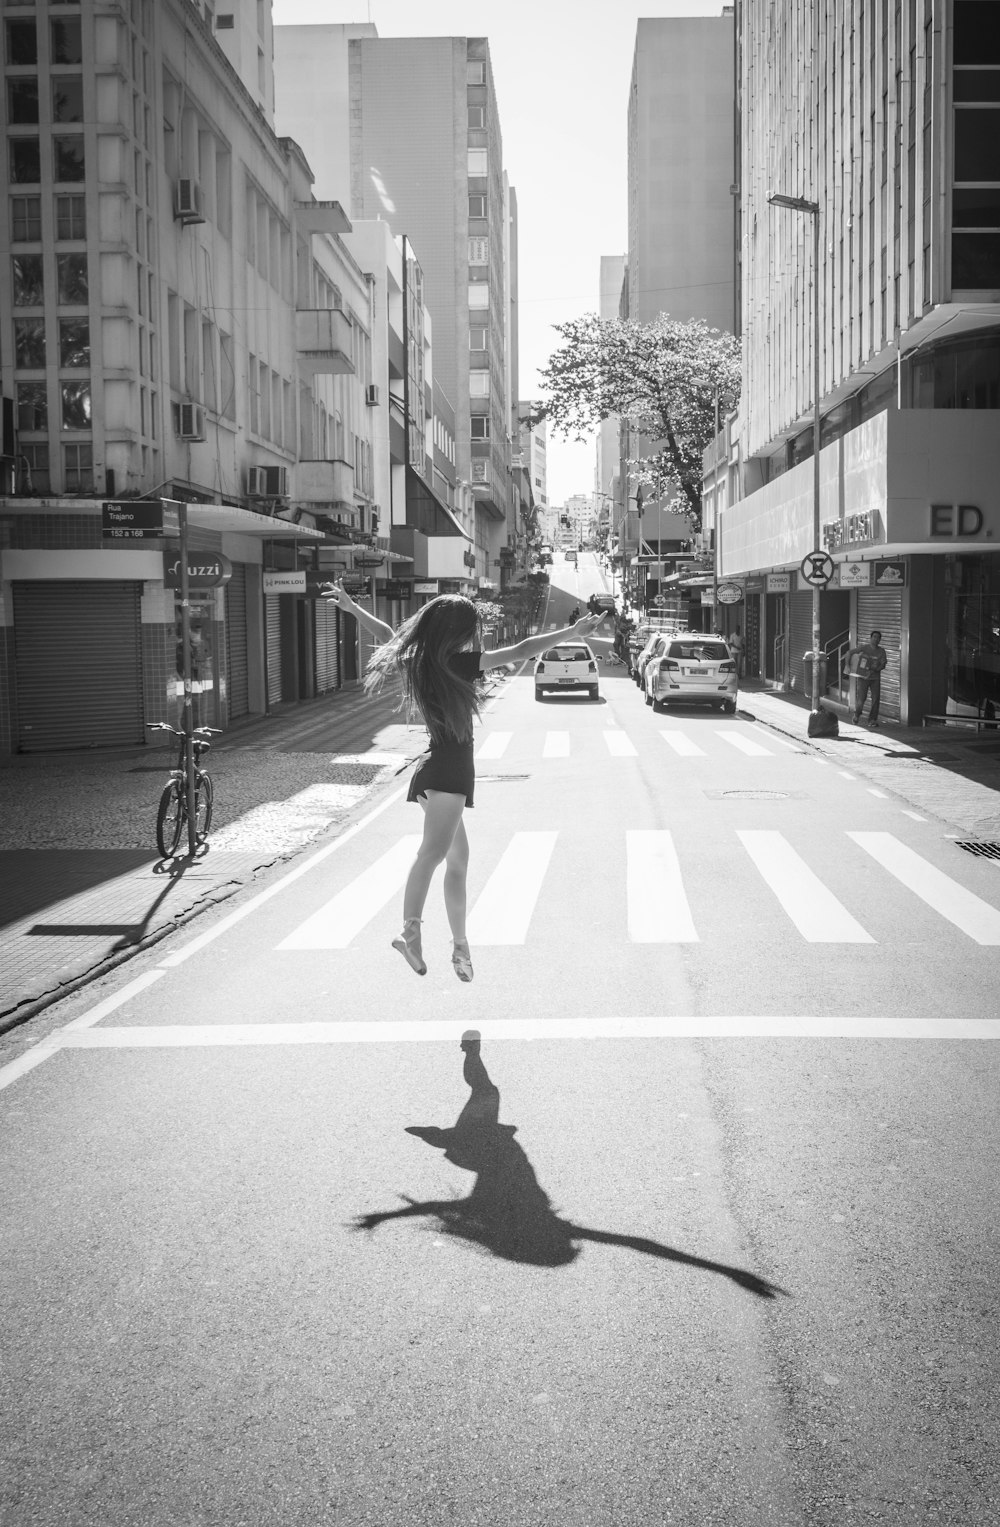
(449, 766)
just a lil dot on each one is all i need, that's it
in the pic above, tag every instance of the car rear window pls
(699, 652)
(566, 655)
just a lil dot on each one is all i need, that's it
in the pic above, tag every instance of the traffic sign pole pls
(187, 710)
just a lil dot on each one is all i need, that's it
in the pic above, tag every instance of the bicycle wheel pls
(204, 799)
(170, 818)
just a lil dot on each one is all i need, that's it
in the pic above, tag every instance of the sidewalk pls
(949, 774)
(81, 883)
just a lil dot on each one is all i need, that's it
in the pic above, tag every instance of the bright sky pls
(562, 70)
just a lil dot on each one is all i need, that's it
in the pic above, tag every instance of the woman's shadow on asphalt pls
(507, 1213)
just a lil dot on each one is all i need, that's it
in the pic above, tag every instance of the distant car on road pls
(570, 665)
(692, 668)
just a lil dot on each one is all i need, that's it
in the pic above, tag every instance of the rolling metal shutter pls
(327, 651)
(799, 638)
(78, 665)
(237, 669)
(272, 617)
(882, 610)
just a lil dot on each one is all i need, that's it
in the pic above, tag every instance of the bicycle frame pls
(192, 743)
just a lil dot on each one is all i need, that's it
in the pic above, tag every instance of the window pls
(477, 161)
(479, 384)
(25, 161)
(75, 405)
(477, 338)
(225, 23)
(74, 343)
(32, 406)
(67, 98)
(33, 467)
(78, 459)
(67, 47)
(477, 118)
(977, 143)
(29, 343)
(479, 251)
(25, 219)
(67, 156)
(29, 291)
(480, 427)
(22, 43)
(71, 270)
(475, 72)
(477, 206)
(479, 294)
(22, 100)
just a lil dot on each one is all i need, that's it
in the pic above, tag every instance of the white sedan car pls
(567, 666)
(693, 667)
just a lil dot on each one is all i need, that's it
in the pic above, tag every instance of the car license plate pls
(566, 679)
(700, 672)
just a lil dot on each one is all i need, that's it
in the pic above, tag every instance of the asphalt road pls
(707, 1237)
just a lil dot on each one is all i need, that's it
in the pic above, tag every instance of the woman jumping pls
(437, 655)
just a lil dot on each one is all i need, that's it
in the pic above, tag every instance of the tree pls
(665, 378)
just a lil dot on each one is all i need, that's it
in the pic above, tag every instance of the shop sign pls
(356, 583)
(469, 558)
(730, 593)
(951, 520)
(855, 575)
(206, 569)
(854, 530)
(779, 583)
(367, 559)
(285, 583)
(130, 520)
(428, 586)
(890, 575)
(395, 588)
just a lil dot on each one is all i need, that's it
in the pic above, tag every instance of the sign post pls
(187, 711)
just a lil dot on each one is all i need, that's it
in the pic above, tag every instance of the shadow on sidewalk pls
(34, 878)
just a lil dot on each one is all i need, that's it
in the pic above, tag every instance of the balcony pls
(324, 482)
(324, 341)
(321, 217)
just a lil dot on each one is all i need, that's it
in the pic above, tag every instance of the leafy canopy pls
(663, 377)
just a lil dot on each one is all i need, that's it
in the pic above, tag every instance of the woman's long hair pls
(420, 653)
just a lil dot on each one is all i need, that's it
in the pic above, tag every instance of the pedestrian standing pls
(437, 656)
(736, 646)
(871, 659)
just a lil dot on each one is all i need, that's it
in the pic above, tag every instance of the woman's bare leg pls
(442, 818)
(456, 867)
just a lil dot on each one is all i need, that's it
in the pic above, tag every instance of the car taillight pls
(667, 664)
(540, 668)
(727, 667)
(591, 667)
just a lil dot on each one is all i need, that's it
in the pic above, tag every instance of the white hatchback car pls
(569, 665)
(693, 667)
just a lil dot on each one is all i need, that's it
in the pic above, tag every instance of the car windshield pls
(566, 655)
(699, 652)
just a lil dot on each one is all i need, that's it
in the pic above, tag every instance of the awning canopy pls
(426, 512)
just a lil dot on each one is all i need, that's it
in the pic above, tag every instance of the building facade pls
(895, 139)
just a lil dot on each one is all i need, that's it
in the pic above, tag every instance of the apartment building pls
(179, 319)
(887, 120)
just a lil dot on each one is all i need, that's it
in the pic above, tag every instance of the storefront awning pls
(426, 512)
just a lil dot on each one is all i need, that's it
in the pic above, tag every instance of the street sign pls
(730, 593)
(132, 520)
(206, 569)
(817, 569)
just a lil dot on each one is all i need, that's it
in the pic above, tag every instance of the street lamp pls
(802, 204)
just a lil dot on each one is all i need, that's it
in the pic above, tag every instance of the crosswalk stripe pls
(744, 744)
(815, 911)
(966, 911)
(619, 746)
(506, 903)
(344, 916)
(658, 910)
(683, 744)
(556, 745)
(495, 745)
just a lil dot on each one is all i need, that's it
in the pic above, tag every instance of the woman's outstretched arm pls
(343, 601)
(533, 645)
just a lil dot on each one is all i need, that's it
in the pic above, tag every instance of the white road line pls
(967, 912)
(658, 910)
(683, 744)
(46, 1048)
(880, 793)
(784, 743)
(915, 815)
(444, 1031)
(744, 744)
(334, 925)
(556, 745)
(495, 745)
(506, 903)
(844, 774)
(815, 911)
(619, 745)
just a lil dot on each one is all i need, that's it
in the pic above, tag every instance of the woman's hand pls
(336, 592)
(583, 628)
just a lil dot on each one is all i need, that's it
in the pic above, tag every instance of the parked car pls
(653, 648)
(693, 668)
(569, 666)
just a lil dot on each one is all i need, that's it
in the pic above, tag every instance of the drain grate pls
(756, 795)
(981, 849)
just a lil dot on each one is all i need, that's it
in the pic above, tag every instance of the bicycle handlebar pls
(199, 731)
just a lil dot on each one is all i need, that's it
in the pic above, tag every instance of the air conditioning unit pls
(371, 395)
(267, 482)
(187, 202)
(192, 421)
(256, 482)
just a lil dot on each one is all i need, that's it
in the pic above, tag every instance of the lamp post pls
(802, 204)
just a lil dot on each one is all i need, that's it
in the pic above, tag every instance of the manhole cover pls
(980, 848)
(756, 795)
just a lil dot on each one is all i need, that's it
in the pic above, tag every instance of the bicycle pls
(172, 815)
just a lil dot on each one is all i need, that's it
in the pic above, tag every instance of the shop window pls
(32, 407)
(33, 468)
(25, 161)
(68, 159)
(75, 405)
(67, 98)
(22, 100)
(74, 343)
(66, 39)
(29, 344)
(71, 270)
(78, 467)
(29, 287)
(25, 219)
(22, 43)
